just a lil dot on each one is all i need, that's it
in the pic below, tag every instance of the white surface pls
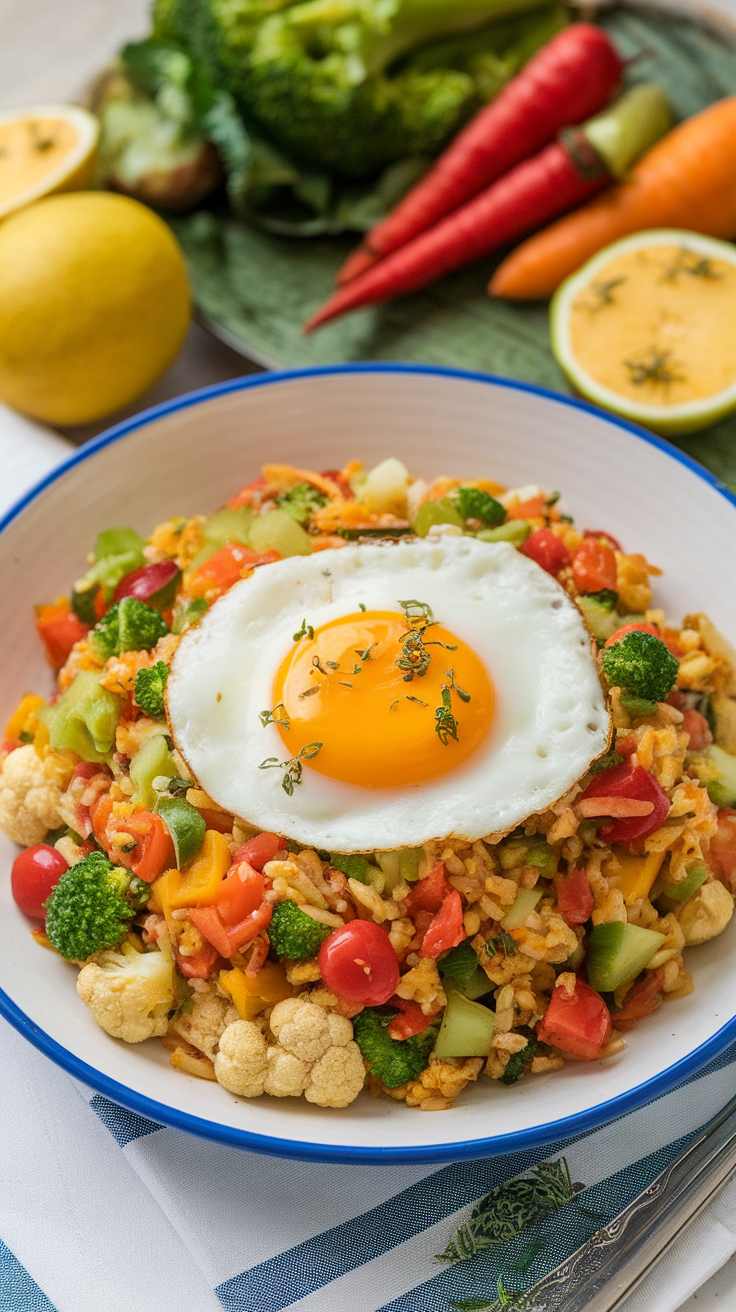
(192, 459)
(549, 721)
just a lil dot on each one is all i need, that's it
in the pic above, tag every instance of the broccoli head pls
(149, 690)
(393, 1061)
(300, 501)
(473, 503)
(642, 665)
(91, 907)
(129, 625)
(294, 934)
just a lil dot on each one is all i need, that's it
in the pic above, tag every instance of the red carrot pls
(572, 78)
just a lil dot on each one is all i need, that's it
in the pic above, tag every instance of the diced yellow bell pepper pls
(252, 994)
(634, 875)
(16, 725)
(200, 886)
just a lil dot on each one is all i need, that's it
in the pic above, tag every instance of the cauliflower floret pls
(205, 1024)
(706, 913)
(29, 799)
(129, 992)
(241, 1065)
(314, 1054)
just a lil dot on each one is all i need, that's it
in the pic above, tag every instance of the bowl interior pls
(188, 460)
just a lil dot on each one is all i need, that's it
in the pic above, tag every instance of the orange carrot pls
(570, 79)
(688, 180)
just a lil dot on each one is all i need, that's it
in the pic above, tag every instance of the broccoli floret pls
(91, 906)
(518, 1062)
(394, 1061)
(642, 665)
(300, 501)
(149, 690)
(475, 504)
(294, 934)
(129, 625)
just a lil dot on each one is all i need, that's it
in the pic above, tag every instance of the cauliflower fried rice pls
(288, 968)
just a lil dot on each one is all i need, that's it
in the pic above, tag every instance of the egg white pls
(550, 720)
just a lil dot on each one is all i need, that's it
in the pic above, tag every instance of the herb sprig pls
(510, 1208)
(293, 768)
(273, 717)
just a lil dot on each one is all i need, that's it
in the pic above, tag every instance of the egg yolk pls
(390, 701)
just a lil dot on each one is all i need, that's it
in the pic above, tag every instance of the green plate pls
(255, 290)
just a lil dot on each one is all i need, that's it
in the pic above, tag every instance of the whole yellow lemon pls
(94, 305)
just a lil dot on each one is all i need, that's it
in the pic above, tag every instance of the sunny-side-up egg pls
(379, 696)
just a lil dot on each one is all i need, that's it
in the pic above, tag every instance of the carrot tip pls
(359, 262)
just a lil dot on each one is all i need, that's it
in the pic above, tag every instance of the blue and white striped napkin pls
(102, 1209)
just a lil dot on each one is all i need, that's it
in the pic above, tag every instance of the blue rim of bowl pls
(494, 1145)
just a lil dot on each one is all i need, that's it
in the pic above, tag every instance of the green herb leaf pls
(510, 1208)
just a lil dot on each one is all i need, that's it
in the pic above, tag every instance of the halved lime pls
(647, 328)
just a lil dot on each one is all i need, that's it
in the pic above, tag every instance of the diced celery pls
(514, 531)
(527, 899)
(477, 986)
(278, 531)
(375, 879)
(186, 826)
(225, 525)
(467, 1028)
(436, 512)
(409, 861)
(722, 791)
(152, 760)
(617, 952)
(84, 719)
(696, 875)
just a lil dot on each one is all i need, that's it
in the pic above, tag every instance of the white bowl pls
(187, 456)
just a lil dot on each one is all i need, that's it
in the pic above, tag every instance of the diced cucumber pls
(526, 901)
(722, 791)
(477, 986)
(225, 525)
(278, 531)
(409, 859)
(388, 863)
(600, 619)
(151, 761)
(436, 512)
(514, 531)
(467, 1028)
(617, 952)
(696, 875)
(84, 719)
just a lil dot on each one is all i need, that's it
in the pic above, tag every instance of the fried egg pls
(378, 696)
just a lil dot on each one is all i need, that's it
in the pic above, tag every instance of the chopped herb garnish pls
(357, 669)
(446, 724)
(365, 655)
(602, 294)
(698, 267)
(332, 665)
(273, 717)
(418, 700)
(317, 666)
(464, 696)
(418, 612)
(309, 692)
(414, 658)
(517, 1063)
(501, 943)
(361, 606)
(393, 705)
(292, 768)
(130, 847)
(343, 684)
(306, 631)
(177, 786)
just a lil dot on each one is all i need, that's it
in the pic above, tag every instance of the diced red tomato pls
(240, 893)
(202, 964)
(35, 873)
(99, 814)
(642, 1000)
(146, 582)
(338, 477)
(216, 819)
(411, 1021)
(594, 567)
(9, 745)
(430, 892)
(574, 895)
(229, 938)
(602, 533)
(153, 851)
(358, 962)
(259, 850)
(246, 494)
(579, 1023)
(547, 550)
(633, 781)
(225, 568)
(626, 746)
(59, 628)
(446, 929)
(698, 728)
(534, 508)
(632, 628)
(722, 851)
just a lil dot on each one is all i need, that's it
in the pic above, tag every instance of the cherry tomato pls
(578, 1023)
(259, 850)
(549, 551)
(642, 1000)
(594, 567)
(574, 895)
(722, 850)
(698, 728)
(607, 537)
(145, 583)
(36, 871)
(627, 780)
(358, 962)
(447, 929)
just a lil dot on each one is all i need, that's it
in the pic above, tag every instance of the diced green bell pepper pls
(84, 719)
(186, 826)
(617, 952)
(467, 1028)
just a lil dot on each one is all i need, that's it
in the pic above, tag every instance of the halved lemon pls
(647, 328)
(44, 149)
